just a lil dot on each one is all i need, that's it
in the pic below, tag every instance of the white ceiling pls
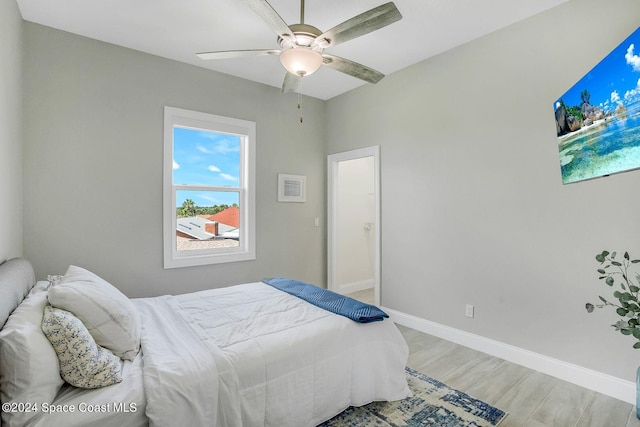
(177, 29)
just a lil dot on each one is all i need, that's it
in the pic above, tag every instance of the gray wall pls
(473, 208)
(93, 144)
(469, 160)
(10, 131)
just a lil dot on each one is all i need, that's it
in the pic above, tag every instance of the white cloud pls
(208, 135)
(225, 146)
(633, 60)
(203, 149)
(615, 98)
(175, 165)
(213, 168)
(633, 95)
(228, 177)
(222, 146)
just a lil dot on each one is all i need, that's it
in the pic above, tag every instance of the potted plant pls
(616, 272)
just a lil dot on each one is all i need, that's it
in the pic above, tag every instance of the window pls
(209, 189)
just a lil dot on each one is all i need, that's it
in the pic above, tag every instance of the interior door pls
(354, 223)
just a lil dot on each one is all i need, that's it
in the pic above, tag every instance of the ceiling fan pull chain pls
(300, 97)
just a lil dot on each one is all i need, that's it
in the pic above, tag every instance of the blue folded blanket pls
(328, 300)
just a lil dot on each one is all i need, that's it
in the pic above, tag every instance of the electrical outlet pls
(469, 311)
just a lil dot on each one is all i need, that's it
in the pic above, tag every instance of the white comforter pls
(251, 355)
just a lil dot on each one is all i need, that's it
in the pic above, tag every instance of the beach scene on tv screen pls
(598, 118)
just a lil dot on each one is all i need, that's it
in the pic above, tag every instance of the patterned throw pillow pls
(83, 363)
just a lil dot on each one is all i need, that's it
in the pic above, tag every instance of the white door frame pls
(332, 173)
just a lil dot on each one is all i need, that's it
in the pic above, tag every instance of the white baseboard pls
(593, 380)
(348, 288)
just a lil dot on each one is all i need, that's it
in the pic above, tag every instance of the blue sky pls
(206, 158)
(615, 79)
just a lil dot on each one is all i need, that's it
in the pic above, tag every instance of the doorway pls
(353, 221)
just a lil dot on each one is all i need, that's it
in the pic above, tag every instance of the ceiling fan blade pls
(291, 83)
(271, 17)
(360, 25)
(351, 68)
(226, 54)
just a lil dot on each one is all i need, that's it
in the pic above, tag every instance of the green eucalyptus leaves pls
(614, 272)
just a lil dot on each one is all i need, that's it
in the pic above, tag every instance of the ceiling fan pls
(302, 46)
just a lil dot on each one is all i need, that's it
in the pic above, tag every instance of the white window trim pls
(247, 249)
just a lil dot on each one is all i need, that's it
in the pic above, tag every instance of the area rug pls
(433, 404)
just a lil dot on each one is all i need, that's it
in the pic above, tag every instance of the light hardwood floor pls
(531, 398)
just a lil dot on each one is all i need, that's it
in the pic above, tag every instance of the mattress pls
(251, 355)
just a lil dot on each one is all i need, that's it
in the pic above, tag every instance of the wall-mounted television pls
(598, 118)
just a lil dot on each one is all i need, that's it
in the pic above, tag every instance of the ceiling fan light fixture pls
(323, 42)
(301, 61)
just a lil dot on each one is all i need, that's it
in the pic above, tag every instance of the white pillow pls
(107, 313)
(28, 364)
(54, 279)
(83, 363)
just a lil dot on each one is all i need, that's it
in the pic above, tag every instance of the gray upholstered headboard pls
(16, 280)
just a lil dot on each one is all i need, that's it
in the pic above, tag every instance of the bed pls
(244, 355)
